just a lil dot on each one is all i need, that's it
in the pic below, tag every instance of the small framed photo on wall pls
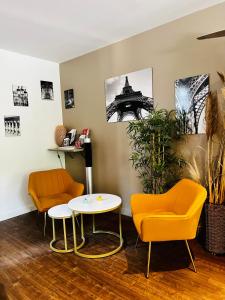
(69, 99)
(20, 95)
(47, 90)
(12, 125)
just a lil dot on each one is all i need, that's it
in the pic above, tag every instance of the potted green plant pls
(153, 150)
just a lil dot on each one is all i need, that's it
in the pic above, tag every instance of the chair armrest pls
(168, 228)
(75, 189)
(143, 203)
(35, 199)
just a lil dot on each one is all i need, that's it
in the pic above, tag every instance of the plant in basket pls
(215, 208)
(214, 176)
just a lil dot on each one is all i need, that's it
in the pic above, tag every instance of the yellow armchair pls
(52, 187)
(173, 215)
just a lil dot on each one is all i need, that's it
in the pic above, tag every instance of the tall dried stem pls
(215, 130)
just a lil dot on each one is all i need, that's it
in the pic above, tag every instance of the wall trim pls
(16, 212)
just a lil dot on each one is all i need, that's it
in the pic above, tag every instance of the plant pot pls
(215, 228)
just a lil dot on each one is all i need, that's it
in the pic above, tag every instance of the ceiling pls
(60, 30)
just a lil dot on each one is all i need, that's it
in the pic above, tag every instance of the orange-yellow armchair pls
(52, 187)
(173, 215)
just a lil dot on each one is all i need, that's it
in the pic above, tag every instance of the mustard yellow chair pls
(173, 215)
(52, 187)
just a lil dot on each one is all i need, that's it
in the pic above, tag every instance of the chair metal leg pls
(137, 241)
(189, 252)
(45, 217)
(149, 256)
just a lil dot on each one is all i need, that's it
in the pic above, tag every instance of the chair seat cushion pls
(139, 217)
(53, 200)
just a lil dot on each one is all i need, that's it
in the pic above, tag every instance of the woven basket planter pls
(215, 228)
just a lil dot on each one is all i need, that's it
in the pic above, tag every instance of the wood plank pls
(29, 270)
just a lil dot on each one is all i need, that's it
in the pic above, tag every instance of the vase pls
(215, 228)
(60, 134)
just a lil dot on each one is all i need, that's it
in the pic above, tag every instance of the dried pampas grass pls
(211, 115)
(222, 76)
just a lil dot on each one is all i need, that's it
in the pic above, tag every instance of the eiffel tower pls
(130, 103)
(199, 90)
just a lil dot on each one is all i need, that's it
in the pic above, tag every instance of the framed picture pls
(69, 99)
(20, 95)
(129, 96)
(47, 90)
(12, 125)
(190, 96)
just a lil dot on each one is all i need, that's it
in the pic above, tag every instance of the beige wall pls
(174, 53)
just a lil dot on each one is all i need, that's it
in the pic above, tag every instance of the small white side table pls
(60, 212)
(95, 204)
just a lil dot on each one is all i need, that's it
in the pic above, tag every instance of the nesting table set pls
(91, 204)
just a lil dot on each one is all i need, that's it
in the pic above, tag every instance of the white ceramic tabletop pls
(95, 203)
(60, 211)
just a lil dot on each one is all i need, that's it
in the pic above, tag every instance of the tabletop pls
(95, 203)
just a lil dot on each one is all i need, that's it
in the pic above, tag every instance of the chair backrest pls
(49, 182)
(188, 197)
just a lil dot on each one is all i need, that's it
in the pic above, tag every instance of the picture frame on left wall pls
(20, 95)
(12, 126)
(47, 90)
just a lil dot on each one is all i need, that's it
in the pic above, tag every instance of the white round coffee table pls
(61, 212)
(95, 204)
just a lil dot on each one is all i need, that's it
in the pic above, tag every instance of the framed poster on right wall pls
(190, 96)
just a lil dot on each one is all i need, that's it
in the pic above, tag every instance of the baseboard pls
(16, 212)
(126, 211)
(24, 210)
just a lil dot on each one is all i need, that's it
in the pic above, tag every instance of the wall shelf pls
(66, 149)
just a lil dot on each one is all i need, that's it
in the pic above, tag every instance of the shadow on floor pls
(165, 256)
(3, 295)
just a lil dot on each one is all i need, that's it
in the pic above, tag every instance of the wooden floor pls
(29, 270)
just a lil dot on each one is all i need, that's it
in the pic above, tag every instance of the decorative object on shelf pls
(71, 135)
(190, 95)
(66, 142)
(69, 99)
(129, 96)
(153, 150)
(222, 77)
(12, 125)
(20, 95)
(47, 90)
(85, 133)
(60, 134)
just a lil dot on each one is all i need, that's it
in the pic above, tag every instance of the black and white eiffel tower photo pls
(190, 96)
(129, 96)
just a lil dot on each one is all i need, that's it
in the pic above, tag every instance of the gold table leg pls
(95, 232)
(54, 240)
(77, 247)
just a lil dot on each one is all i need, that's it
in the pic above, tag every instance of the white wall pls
(28, 152)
